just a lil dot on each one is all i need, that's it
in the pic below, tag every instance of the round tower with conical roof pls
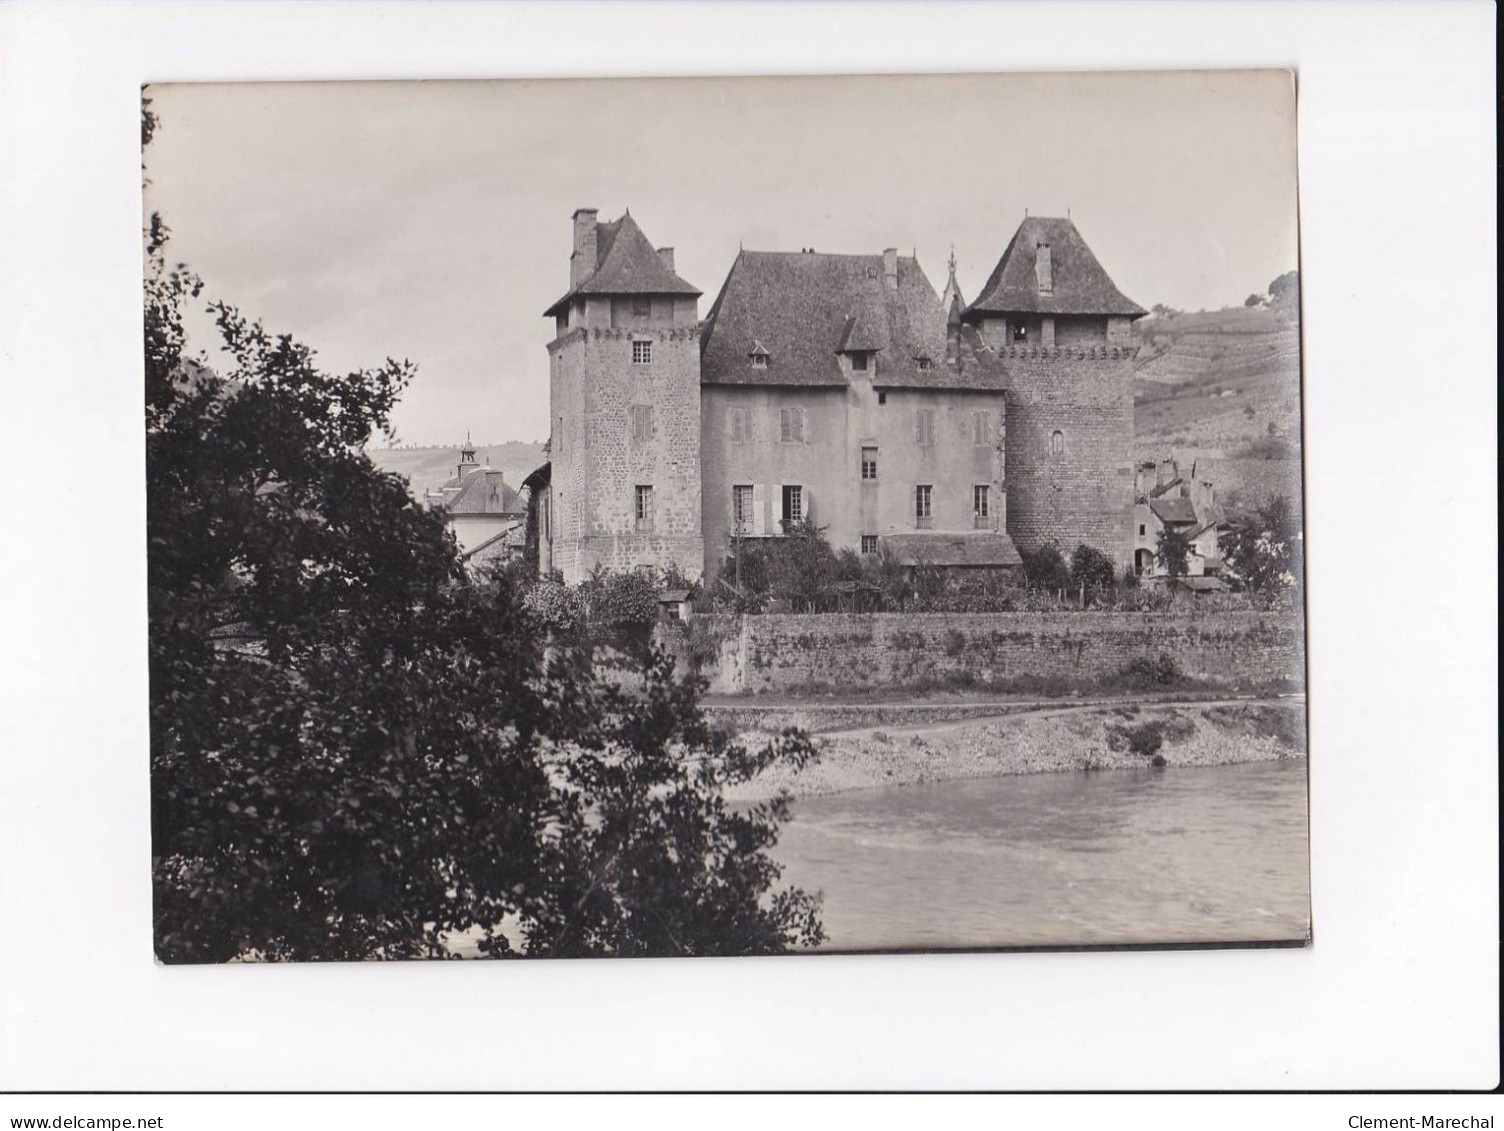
(1063, 332)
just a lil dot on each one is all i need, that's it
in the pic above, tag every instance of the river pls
(1218, 854)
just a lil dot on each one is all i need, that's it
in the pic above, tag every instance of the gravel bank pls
(1054, 740)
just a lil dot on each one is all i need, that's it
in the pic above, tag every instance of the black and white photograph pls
(724, 516)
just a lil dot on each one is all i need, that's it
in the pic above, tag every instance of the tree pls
(1045, 568)
(1284, 292)
(1092, 570)
(1171, 552)
(1262, 550)
(1254, 300)
(358, 752)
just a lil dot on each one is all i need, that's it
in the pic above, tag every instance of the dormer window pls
(922, 364)
(759, 361)
(858, 361)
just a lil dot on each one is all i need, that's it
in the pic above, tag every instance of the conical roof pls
(1079, 284)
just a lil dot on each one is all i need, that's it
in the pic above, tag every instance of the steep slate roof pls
(1173, 510)
(1079, 284)
(625, 264)
(482, 491)
(805, 307)
(970, 548)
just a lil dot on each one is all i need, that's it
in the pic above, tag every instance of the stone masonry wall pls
(787, 653)
(1083, 493)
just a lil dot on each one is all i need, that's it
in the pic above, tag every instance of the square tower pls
(624, 394)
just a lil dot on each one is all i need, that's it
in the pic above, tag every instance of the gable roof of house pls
(626, 263)
(967, 548)
(508, 540)
(1079, 284)
(1173, 510)
(805, 308)
(482, 491)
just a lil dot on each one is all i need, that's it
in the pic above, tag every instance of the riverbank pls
(1046, 740)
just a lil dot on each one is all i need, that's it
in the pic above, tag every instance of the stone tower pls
(1062, 329)
(624, 391)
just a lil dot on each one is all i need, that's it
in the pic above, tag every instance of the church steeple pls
(467, 456)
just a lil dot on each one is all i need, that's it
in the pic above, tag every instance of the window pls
(1057, 443)
(869, 463)
(1020, 333)
(642, 423)
(869, 543)
(981, 429)
(924, 427)
(759, 361)
(980, 497)
(741, 426)
(1042, 273)
(644, 510)
(922, 364)
(859, 362)
(1142, 529)
(922, 496)
(791, 425)
(561, 435)
(882, 398)
(741, 509)
(793, 506)
(642, 353)
(642, 308)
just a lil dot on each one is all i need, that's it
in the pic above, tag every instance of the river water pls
(1218, 854)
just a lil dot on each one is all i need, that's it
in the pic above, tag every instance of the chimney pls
(890, 267)
(1042, 269)
(666, 257)
(582, 261)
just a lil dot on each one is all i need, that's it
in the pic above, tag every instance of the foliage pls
(1255, 300)
(358, 752)
(1284, 292)
(1171, 551)
(1263, 550)
(1150, 672)
(1093, 571)
(1045, 568)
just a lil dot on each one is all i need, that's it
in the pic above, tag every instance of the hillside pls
(1222, 388)
(427, 468)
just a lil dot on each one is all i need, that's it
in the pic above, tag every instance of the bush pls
(1093, 571)
(1161, 671)
(1045, 569)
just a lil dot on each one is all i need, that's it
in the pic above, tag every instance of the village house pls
(837, 390)
(1164, 499)
(479, 507)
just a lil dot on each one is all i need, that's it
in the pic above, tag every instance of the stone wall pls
(786, 653)
(1078, 488)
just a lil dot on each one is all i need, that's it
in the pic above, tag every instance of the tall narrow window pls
(1057, 443)
(741, 509)
(642, 353)
(642, 423)
(643, 522)
(869, 463)
(561, 435)
(793, 506)
(922, 499)
(869, 543)
(981, 429)
(791, 425)
(924, 427)
(741, 426)
(980, 498)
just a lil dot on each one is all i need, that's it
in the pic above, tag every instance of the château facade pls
(839, 390)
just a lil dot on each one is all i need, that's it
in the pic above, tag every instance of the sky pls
(431, 220)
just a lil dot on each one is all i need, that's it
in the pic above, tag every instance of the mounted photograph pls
(724, 516)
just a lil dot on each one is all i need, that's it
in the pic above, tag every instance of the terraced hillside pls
(427, 468)
(1222, 389)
